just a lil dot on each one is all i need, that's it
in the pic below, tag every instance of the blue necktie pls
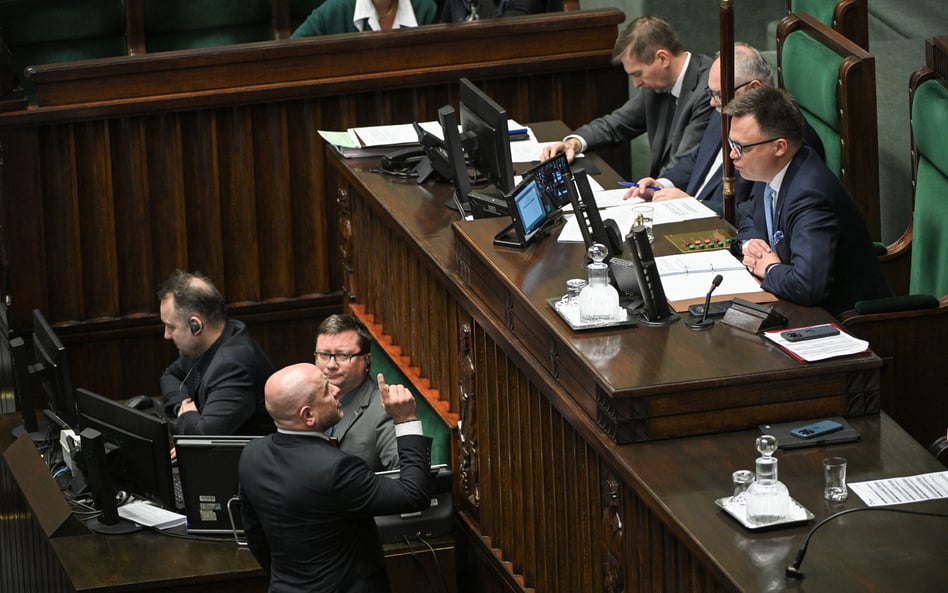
(769, 213)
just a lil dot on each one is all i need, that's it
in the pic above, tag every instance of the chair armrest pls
(910, 302)
(896, 262)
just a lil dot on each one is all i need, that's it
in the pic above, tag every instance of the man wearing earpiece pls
(343, 354)
(215, 387)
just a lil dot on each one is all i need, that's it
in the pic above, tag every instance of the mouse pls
(140, 402)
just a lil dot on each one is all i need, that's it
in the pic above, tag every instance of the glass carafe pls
(599, 300)
(768, 500)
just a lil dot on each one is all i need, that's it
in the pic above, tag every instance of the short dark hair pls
(194, 293)
(644, 36)
(775, 110)
(337, 323)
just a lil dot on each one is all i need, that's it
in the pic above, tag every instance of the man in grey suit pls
(671, 106)
(343, 354)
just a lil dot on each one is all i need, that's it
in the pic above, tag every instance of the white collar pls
(365, 15)
(777, 181)
(305, 433)
(676, 90)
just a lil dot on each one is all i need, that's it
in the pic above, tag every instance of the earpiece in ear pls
(368, 364)
(195, 325)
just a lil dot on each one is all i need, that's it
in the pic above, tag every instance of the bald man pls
(308, 506)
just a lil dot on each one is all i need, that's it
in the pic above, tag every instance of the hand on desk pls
(570, 147)
(757, 256)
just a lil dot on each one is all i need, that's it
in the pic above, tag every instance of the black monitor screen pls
(530, 208)
(137, 446)
(553, 177)
(53, 369)
(486, 122)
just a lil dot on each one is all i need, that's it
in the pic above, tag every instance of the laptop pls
(435, 521)
(207, 467)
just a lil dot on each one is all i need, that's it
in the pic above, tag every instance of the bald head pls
(299, 397)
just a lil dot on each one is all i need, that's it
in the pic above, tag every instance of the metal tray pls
(738, 509)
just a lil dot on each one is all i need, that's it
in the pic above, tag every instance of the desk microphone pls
(704, 322)
(793, 571)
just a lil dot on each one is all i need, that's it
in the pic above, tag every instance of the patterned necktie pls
(769, 213)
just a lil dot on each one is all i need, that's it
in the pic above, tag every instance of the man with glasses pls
(801, 234)
(700, 173)
(670, 107)
(343, 354)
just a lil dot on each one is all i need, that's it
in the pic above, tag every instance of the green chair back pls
(930, 221)
(188, 24)
(810, 73)
(821, 9)
(431, 422)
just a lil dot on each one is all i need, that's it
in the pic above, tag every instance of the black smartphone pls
(809, 333)
(717, 309)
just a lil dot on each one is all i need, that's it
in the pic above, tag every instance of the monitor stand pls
(39, 435)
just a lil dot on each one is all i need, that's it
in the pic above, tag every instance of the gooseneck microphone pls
(793, 571)
(704, 322)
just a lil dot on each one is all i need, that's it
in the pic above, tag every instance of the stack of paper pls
(842, 344)
(376, 141)
(148, 515)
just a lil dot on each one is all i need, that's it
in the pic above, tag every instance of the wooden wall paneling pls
(134, 239)
(165, 189)
(62, 234)
(202, 184)
(236, 163)
(97, 260)
(273, 200)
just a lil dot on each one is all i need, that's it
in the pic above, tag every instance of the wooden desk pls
(44, 548)
(541, 480)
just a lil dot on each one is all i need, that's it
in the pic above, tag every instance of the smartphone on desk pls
(809, 333)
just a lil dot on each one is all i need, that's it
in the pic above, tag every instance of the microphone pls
(793, 571)
(704, 322)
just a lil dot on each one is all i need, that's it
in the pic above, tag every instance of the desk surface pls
(867, 551)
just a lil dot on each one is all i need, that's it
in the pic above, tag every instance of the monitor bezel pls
(53, 370)
(485, 120)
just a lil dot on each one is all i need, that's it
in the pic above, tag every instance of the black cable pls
(434, 556)
(793, 571)
(201, 538)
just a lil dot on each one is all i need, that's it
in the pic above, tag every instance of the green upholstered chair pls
(187, 24)
(54, 31)
(911, 341)
(834, 81)
(848, 17)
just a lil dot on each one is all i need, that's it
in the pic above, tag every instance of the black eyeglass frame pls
(716, 96)
(740, 148)
(339, 357)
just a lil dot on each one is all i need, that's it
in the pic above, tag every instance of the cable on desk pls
(434, 556)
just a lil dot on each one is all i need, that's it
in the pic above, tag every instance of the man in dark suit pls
(700, 173)
(308, 506)
(670, 107)
(802, 235)
(344, 354)
(215, 386)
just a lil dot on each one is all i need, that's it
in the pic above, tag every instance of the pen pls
(634, 184)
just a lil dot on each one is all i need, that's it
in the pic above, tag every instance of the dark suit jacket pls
(308, 511)
(823, 240)
(689, 172)
(671, 132)
(366, 430)
(226, 384)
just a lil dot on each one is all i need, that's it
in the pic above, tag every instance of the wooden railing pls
(209, 159)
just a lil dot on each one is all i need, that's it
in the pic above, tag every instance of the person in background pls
(215, 387)
(802, 233)
(700, 173)
(671, 106)
(344, 354)
(308, 507)
(472, 10)
(354, 16)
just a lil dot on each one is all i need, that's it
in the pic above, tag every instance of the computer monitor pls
(138, 447)
(485, 122)
(454, 151)
(49, 367)
(23, 391)
(528, 215)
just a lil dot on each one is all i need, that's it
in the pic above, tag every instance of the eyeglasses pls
(740, 148)
(716, 95)
(340, 357)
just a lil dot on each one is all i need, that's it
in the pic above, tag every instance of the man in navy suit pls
(802, 235)
(671, 107)
(700, 173)
(308, 506)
